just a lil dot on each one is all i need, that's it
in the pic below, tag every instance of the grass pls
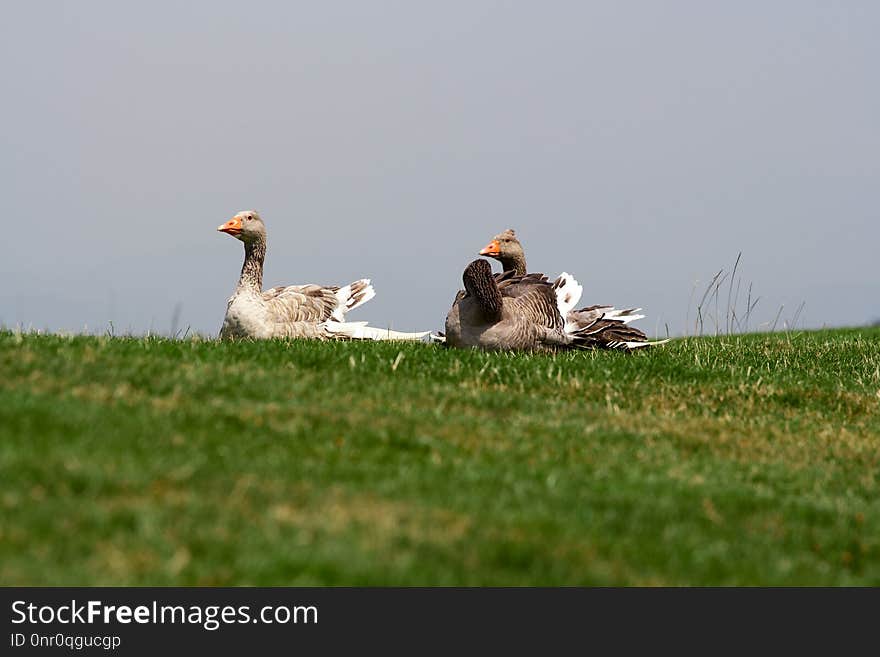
(743, 460)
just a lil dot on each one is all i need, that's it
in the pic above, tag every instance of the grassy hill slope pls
(743, 460)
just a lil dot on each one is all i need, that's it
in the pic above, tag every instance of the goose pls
(292, 311)
(522, 313)
(485, 315)
(508, 250)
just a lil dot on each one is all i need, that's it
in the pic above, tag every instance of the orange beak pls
(491, 249)
(231, 227)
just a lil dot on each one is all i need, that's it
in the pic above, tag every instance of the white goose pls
(293, 311)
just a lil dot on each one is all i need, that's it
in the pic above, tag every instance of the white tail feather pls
(349, 301)
(625, 316)
(568, 293)
(361, 331)
(638, 345)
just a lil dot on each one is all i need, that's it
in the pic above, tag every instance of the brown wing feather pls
(537, 314)
(302, 303)
(538, 305)
(513, 286)
(612, 330)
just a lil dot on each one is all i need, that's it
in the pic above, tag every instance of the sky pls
(640, 146)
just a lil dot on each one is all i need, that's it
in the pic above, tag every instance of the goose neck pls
(516, 263)
(252, 269)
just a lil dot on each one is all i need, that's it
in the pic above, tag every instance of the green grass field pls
(750, 460)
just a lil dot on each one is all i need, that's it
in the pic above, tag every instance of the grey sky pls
(637, 145)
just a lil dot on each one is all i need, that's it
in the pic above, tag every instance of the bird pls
(520, 313)
(490, 315)
(507, 249)
(292, 311)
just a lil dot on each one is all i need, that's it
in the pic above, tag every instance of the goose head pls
(245, 226)
(504, 246)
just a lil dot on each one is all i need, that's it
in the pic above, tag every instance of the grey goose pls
(522, 313)
(508, 251)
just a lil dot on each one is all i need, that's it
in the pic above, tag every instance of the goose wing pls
(537, 307)
(316, 303)
(302, 303)
(604, 333)
(513, 286)
(612, 330)
(578, 319)
(532, 319)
